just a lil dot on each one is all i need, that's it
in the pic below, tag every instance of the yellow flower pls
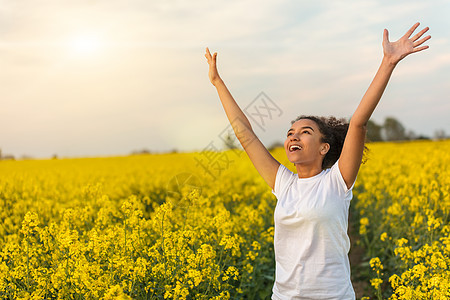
(363, 227)
(30, 223)
(196, 276)
(116, 293)
(376, 282)
(375, 263)
(364, 221)
(401, 242)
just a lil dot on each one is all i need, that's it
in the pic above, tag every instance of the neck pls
(306, 171)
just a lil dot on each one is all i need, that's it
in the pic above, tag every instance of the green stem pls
(125, 233)
(379, 293)
(162, 246)
(28, 266)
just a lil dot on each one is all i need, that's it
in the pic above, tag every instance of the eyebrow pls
(304, 127)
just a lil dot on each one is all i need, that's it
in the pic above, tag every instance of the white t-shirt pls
(310, 241)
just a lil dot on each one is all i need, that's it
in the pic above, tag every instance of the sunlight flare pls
(85, 44)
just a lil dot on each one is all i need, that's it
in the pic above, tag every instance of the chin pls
(289, 158)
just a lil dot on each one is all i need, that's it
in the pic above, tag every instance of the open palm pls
(396, 51)
(212, 61)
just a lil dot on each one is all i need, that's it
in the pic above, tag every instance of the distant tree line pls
(6, 156)
(393, 130)
(390, 130)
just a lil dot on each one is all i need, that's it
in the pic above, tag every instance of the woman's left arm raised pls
(352, 151)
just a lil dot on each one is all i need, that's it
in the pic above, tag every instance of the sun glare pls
(85, 44)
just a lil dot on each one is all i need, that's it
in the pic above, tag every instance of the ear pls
(324, 148)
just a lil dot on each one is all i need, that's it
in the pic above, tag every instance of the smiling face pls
(304, 145)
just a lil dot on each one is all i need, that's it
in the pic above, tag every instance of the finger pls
(420, 49)
(208, 59)
(411, 30)
(419, 34)
(420, 42)
(208, 54)
(386, 36)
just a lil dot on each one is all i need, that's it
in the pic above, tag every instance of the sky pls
(108, 77)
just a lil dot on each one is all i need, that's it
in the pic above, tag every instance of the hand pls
(396, 51)
(213, 74)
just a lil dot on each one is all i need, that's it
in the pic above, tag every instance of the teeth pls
(295, 147)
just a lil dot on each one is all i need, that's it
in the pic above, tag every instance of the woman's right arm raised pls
(264, 162)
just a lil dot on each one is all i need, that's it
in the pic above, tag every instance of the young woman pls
(311, 216)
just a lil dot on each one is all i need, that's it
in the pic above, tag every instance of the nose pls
(293, 137)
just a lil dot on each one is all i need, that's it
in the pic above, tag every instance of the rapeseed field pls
(402, 198)
(200, 225)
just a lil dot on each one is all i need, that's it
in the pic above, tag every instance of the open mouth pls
(294, 148)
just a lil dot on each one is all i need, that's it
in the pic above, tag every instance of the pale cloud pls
(147, 86)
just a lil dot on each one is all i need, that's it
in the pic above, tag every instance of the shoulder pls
(335, 180)
(284, 178)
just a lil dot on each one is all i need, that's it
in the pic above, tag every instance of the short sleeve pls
(339, 182)
(283, 180)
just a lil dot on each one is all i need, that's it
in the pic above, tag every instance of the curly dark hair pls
(333, 132)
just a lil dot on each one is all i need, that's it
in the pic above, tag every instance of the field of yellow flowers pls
(143, 227)
(200, 225)
(402, 199)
